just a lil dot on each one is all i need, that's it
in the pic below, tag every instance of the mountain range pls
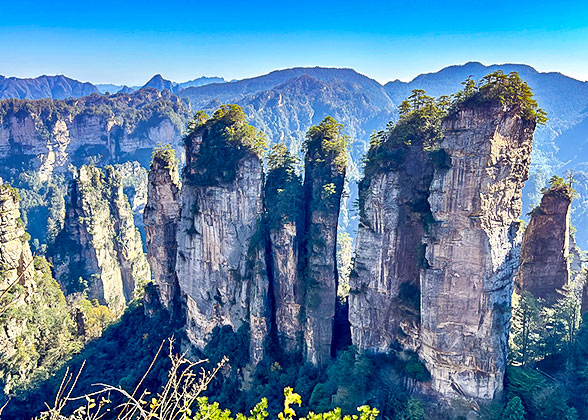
(285, 103)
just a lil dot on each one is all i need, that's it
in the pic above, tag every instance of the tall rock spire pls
(324, 174)
(545, 268)
(467, 284)
(161, 217)
(218, 245)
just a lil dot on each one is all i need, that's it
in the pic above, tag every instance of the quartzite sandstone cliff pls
(100, 250)
(545, 268)
(384, 299)
(161, 217)
(217, 237)
(471, 249)
(324, 175)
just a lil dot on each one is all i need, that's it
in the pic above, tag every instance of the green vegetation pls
(326, 142)
(510, 90)
(283, 186)
(419, 125)
(225, 138)
(45, 329)
(421, 117)
(561, 186)
(166, 154)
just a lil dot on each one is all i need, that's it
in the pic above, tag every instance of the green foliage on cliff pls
(419, 125)
(132, 114)
(225, 138)
(327, 142)
(283, 186)
(561, 186)
(166, 154)
(508, 89)
(38, 314)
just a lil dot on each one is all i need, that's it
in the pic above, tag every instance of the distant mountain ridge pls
(285, 103)
(51, 87)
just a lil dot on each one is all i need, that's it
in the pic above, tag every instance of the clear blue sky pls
(127, 42)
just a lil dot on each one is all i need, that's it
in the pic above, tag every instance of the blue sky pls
(128, 42)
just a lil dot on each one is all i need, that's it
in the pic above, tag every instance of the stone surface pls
(323, 186)
(76, 130)
(161, 217)
(99, 243)
(385, 283)
(287, 286)
(466, 289)
(216, 233)
(15, 254)
(545, 267)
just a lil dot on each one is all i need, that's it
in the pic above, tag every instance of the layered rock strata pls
(545, 267)
(467, 284)
(161, 217)
(100, 250)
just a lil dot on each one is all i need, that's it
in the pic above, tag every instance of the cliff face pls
(384, 299)
(544, 269)
(34, 318)
(99, 249)
(466, 288)
(283, 200)
(288, 292)
(15, 254)
(161, 216)
(51, 134)
(324, 175)
(218, 235)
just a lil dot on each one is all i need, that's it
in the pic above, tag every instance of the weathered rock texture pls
(384, 298)
(288, 288)
(283, 201)
(51, 134)
(545, 267)
(466, 288)
(15, 254)
(324, 175)
(100, 248)
(218, 235)
(161, 217)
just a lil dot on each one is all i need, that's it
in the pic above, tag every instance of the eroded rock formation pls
(283, 195)
(15, 254)
(467, 284)
(161, 217)
(324, 174)
(545, 268)
(100, 250)
(384, 300)
(75, 131)
(218, 233)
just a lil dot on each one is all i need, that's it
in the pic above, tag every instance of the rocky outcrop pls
(15, 254)
(467, 284)
(384, 299)
(324, 174)
(100, 250)
(49, 135)
(219, 266)
(283, 200)
(545, 268)
(161, 217)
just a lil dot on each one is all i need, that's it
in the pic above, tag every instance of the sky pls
(128, 42)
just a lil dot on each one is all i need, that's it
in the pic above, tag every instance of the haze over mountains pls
(285, 103)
